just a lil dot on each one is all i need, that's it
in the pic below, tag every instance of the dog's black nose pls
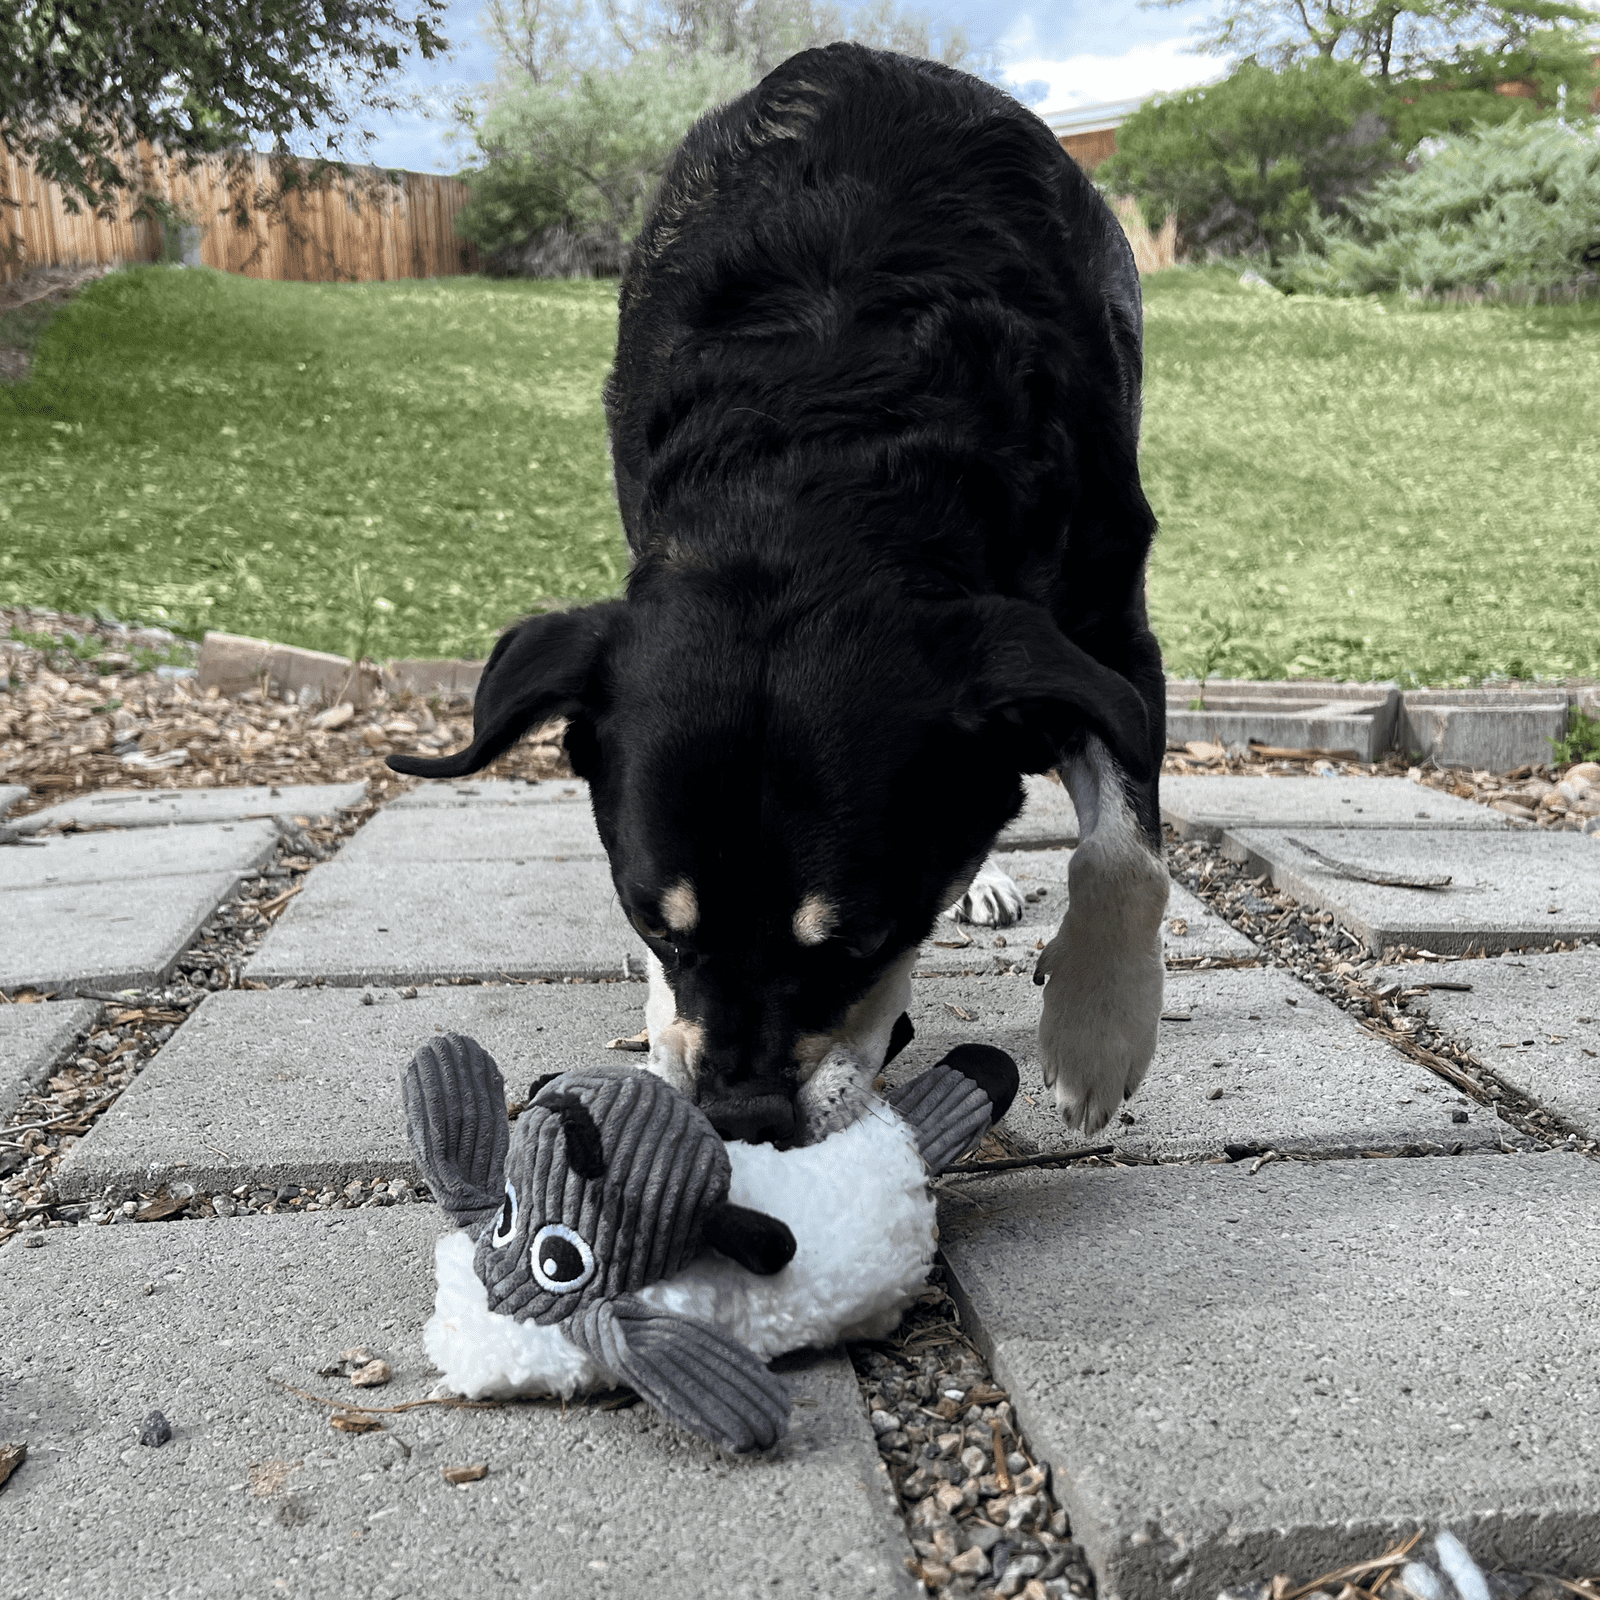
(755, 1112)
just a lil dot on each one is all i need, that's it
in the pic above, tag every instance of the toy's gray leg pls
(689, 1371)
(952, 1105)
(456, 1116)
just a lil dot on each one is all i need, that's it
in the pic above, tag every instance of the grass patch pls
(1353, 488)
(1370, 488)
(398, 468)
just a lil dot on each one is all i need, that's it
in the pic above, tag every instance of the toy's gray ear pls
(952, 1105)
(689, 1371)
(456, 1116)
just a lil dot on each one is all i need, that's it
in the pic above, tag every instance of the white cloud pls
(1142, 69)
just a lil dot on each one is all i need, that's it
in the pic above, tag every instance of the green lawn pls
(1344, 487)
(1371, 490)
(402, 467)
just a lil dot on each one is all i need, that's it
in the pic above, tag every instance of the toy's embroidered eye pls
(562, 1259)
(506, 1223)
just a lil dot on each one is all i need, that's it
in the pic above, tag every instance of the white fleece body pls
(864, 1227)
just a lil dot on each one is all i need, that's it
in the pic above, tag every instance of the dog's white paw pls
(992, 901)
(1102, 1002)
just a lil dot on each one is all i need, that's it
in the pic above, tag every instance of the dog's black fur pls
(874, 421)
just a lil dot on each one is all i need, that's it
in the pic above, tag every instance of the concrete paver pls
(1049, 820)
(303, 1085)
(113, 910)
(1203, 932)
(1533, 1020)
(1301, 1077)
(33, 1039)
(1507, 890)
(1237, 1375)
(107, 859)
(473, 794)
(256, 1494)
(364, 921)
(146, 808)
(510, 835)
(71, 944)
(1205, 808)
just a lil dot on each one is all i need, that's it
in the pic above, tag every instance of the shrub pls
(1513, 207)
(1248, 163)
(577, 159)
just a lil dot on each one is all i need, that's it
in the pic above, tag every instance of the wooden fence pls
(354, 225)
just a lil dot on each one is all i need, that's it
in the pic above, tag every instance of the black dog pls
(874, 422)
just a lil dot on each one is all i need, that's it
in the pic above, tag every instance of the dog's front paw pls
(993, 901)
(1102, 1002)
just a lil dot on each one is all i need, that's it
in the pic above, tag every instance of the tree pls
(1393, 38)
(593, 96)
(82, 82)
(583, 156)
(1248, 163)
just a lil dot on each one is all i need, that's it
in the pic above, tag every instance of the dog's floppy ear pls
(1034, 689)
(540, 669)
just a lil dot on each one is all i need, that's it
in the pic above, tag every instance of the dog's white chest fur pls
(864, 1225)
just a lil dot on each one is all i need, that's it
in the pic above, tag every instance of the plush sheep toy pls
(612, 1238)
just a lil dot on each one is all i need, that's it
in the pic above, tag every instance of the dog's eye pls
(660, 935)
(867, 944)
(562, 1260)
(506, 1223)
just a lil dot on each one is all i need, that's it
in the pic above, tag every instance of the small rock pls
(155, 1430)
(32, 1241)
(971, 1563)
(982, 1536)
(467, 1474)
(1215, 1094)
(1459, 1116)
(334, 717)
(371, 1376)
(975, 1460)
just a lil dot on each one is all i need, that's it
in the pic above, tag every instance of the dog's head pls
(789, 798)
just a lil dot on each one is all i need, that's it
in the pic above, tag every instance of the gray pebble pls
(155, 1430)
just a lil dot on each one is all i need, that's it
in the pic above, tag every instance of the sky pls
(1076, 52)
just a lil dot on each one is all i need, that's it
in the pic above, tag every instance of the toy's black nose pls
(756, 1112)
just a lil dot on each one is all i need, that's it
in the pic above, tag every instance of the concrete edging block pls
(1307, 714)
(232, 663)
(1493, 729)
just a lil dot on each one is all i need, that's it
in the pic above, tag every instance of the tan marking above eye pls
(681, 907)
(815, 920)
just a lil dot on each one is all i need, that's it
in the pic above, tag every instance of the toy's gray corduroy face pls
(608, 1177)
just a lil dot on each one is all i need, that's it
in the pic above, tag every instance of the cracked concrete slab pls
(1237, 1375)
(1533, 1020)
(1199, 807)
(303, 1085)
(1296, 1073)
(154, 808)
(257, 1495)
(34, 1040)
(1506, 890)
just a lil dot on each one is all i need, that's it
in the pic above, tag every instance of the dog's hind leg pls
(992, 899)
(1104, 971)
